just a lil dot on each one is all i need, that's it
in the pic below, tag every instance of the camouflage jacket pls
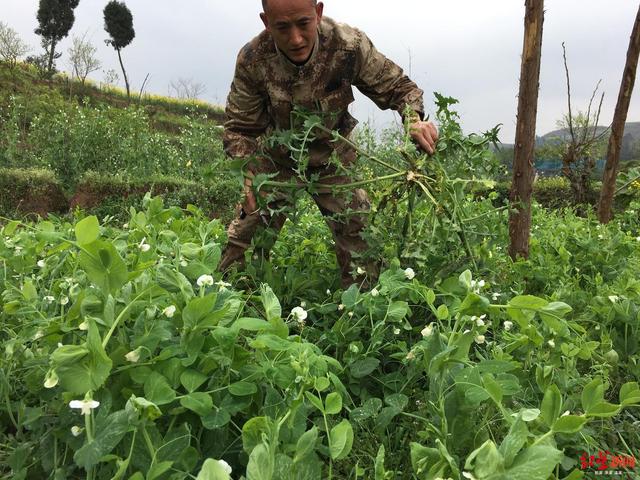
(267, 85)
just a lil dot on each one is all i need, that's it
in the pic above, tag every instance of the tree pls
(11, 46)
(584, 143)
(55, 19)
(186, 88)
(82, 56)
(617, 127)
(523, 161)
(118, 22)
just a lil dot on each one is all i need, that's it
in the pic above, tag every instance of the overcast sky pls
(467, 49)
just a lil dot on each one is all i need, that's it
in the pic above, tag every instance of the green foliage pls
(118, 22)
(72, 139)
(502, 370)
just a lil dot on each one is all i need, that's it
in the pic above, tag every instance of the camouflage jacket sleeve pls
(384, 82)
(246, 111)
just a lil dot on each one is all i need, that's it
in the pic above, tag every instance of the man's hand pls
(425, 134)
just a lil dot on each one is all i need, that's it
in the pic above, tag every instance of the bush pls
(104, 195)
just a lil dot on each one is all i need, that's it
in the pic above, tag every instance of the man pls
(306, 60)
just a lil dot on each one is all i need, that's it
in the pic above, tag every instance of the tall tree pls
(523, 161)
(55, 19)
(617, 127)
(118, 22)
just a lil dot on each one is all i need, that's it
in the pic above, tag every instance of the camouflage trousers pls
(343, 209)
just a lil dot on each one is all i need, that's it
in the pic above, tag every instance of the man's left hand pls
(425, 134)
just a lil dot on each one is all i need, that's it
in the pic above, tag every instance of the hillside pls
(165, 113)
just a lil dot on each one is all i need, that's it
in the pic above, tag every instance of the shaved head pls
(265, 4)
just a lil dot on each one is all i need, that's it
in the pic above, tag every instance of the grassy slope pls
(167, 114)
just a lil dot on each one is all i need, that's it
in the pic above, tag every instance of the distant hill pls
(630, 149)
(629, 138)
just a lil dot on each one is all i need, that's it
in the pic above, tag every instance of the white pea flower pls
(508, 325)
(51, 380)
(64, 300)
(328, 292)
(468, 475)
(479, 320)
(49, 299)
(125, 226)
(409, 273)
(83, 326)
(76, 430)
(350, 314)
(341, 307)
(637, 239)
(222, 285)
(375, 292)
(225, 466)
(41, 263)
(299, 314)
(143, 246)
(479, 339)
(565, 413)
(360, 271)
(169, 311)
(428, 330)
(614, 298)
(396, 331)
(84, 405)
(133, 356)
(205, 281)
(303, 304)
(495, 296)
(411, 355)
(600, 237)
(551, 343)
(183, 263)
(597, 327)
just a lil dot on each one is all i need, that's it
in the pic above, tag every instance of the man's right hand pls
(250, 203)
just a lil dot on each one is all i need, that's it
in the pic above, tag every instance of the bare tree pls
(111, 78)
(82, 57)
(617, 127)
(186, 88)
(11, 46)
(584, 144)
(523, 171)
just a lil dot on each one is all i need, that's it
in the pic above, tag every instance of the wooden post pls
(523, 161)
(617, 127)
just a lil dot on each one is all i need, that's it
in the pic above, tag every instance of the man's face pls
(293, 24)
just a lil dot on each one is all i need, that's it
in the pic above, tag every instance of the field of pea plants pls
(127, 355)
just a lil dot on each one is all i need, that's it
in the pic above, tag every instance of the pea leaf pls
(333, 403)
(341, 437)
(198, 402)
(158, 390)
(569, 424)
(306, 444)
(87, 230)
(212, 470)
